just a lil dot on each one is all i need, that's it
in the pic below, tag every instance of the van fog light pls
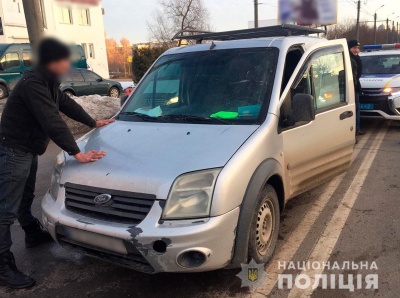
(191, 259)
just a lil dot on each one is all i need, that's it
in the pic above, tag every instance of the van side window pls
(9, 61)
(26, 58)
(329, 80)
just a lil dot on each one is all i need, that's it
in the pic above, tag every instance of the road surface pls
(353, 218)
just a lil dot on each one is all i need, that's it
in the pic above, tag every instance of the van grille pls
(124, 207)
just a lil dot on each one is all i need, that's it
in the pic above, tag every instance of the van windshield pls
(222, 87)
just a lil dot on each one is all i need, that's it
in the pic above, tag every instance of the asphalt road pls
(353, 218)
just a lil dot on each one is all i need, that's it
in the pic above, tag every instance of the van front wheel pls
(3, 92)
(265, 226)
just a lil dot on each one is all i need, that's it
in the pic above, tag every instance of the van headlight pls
(56, 176)
(191, 195)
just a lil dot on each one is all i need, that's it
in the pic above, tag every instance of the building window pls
(84, 17)
(84, 46)
(65, 15)
(91, 50)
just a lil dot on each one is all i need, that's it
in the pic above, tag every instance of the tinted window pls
(227, 84)
(381, 64)
(329, 75)
(90, 76)
(9, 61)
(74, 76)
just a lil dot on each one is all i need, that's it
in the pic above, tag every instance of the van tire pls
(264, 226)
(3, 92)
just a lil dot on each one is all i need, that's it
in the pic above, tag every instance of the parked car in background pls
(15, 59)
(380, 82)
(80, 82)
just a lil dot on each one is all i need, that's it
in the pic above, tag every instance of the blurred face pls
(59, 68)
(355, 50)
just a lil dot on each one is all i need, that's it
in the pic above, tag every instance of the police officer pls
(30, 119)
(357, 66)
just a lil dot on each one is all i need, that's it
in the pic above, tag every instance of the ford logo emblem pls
(102, 200)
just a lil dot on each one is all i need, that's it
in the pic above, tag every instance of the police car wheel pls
(265, 226)
(3, 92)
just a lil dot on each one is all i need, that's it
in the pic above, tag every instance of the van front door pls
(317, 151)
(10, 69)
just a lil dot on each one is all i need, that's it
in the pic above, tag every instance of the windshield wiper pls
(196, 119)
(144, 117)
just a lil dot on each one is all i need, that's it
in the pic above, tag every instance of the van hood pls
(148, 157)
(380, 81)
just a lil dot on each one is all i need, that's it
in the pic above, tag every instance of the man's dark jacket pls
(357, 67)
(31, 115)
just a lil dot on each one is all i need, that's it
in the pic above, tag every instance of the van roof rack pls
(271, 31)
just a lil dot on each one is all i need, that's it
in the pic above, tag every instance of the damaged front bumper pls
(152, 246)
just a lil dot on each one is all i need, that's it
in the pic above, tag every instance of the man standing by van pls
(356, 63)
(30, 119)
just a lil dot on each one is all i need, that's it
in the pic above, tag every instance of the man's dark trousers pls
(17, 186)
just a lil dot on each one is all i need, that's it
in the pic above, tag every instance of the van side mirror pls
(303, 109)
(123, 99)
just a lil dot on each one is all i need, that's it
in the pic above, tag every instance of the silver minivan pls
(205, 153)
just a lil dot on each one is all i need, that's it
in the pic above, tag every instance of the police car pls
(381, 81)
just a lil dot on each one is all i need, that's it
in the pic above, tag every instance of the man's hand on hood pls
(90, 156)
(101, 123)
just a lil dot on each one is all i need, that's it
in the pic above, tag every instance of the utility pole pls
(34, 20)
(255, 13)
(358, 19)
(375, 20)
(387, 29)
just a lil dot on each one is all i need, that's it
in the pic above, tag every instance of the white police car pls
(381, 81)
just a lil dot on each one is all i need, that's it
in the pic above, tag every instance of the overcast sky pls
(129, 17)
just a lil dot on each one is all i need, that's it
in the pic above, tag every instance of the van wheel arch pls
(69, 91)
(270, 173)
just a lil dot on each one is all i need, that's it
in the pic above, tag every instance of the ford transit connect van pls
(207, 150)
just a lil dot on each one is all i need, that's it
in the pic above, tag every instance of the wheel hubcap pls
(265, 227)
(114, 93)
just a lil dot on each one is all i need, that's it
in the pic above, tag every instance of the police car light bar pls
(379, 47)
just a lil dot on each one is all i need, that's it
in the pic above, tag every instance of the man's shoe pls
(36, 235)
(360, 133)
(10, 276)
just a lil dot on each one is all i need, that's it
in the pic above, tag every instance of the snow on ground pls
(98, 107)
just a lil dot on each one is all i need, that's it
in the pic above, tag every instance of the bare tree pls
(176, 15)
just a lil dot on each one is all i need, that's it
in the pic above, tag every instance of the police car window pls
(329, 80)
(9, 61)
(381, 64)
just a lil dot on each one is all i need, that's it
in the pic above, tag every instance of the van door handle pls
(346, 115)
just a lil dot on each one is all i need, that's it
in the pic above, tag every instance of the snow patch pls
(98, 107)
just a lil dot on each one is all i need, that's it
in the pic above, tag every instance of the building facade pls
(77, 24)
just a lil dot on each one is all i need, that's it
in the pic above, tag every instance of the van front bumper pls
(152, 246)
